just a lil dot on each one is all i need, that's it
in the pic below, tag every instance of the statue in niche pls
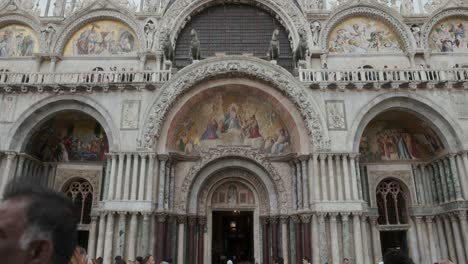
(315, 27)
(58, 7)
(150, 31)
(47, 35)
(300, 53)
(195, 46)
(168, 49)
(416, 30)
(232, 194)
(274, 50)
(407, 7)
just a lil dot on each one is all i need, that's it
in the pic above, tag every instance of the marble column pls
(365, 241)
(101, 235)
(112, 176)
(181, 220)
(132, 237)
(354, 181)
(346, 238)
(265, 247)
(315, 240)
(160, 237)
(145, 237)
(305, 182)
(134, 190)
(311, 181)
(274, 237)
(121, 228)
(438, 181)
(108, 243)
(419, 231)
(357, 169)
(120, 175)
(322, 239)
(449, 237)
(331, 177)
(128, 176)
(298, 238)
(300, 200)
(284, 238)
(191, 246)
(316, 177)
(457, 238)
(418, 184)
(162, 178)
(464, 230)
(357, 237)
(375, 239)
(431, 239)
(323, 177)
(167, 187)
(463, 176)
(295, 192)
(413, 241)
(92, 237)
(334, 239)
(455, 178)
(22, 165)
(10, 157)
(171, 192)
(149, 189)
(445, 180)
(442, 237)
(339, 177)
(201, 238)
(306, 236)
(346, 179)
(142, 178)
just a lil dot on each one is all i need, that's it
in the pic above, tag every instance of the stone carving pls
(168, 48)
(7, 108)
(274, 50)
(315, 5)
(252, 67)
(28, 5)
(407, 7)
(232, 194)
(315, 27)
(47, 34)
(302, 50)
(245, 153)
(195, 52)
(92, 174)
(433, 5)
(150, 33)
(377, 176)
(416, 30)
(130, 114)
(59, 8)
(336, 115)
(399, 29)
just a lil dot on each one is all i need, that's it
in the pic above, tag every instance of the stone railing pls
(95, 78)
(394, 78)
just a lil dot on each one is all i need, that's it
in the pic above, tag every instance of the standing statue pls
(416, 30)
(274, 49)
(58, 8)
(168, 50)
(150, 31)
(315, 27)
(300, 53)
(195, 46)
(47, 35)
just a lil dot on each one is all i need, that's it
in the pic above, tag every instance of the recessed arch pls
(45, 109)
(447, 129)
(29, 29)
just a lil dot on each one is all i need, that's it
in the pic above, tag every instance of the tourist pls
(79, 256)
(396, 256)
(149, 260)
(38, 225)
(345, 261)
(119, 260)
(139, 260)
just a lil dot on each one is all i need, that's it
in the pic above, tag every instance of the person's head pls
(396, 256)
(149, 260)
(345, 261)
(38, 225)
(139, 260)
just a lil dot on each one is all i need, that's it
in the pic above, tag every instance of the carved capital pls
(305, 218)
(429, 219)
(284, 219)
(202, 220)
(192, 220)
(462, 215)
(264, 220)
(295, 219)
(161, 217)
(181, 219)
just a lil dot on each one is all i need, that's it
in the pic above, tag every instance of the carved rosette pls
(244, 153)
(390, 18)
(234, 66)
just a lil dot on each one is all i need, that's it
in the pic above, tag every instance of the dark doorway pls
(393, 239)
(232, 237)
(83, 237)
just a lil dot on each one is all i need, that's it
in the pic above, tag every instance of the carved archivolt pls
(180, 11)
(436, 18)
(389, 18)
(235, 66)
(80, 19)
(237, 153)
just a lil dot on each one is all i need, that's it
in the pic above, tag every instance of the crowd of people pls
(80, 257)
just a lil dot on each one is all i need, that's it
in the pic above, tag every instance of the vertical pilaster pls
(171, 185)
(334, 239)
(135, 162)
(431, 240)
(108, 244)
(449, 236)
(306, 236)
(191, 247)
(323, 177)
(316, 177)
(315, 240)
(265, 247)
(101, 235)
(457, 238)
(305, 182)
(92, 236)
(132, 236)
(112, 176)
(347, 182)
(145, 237)
(168, 183)
(118, 187)
(122, 234)
(160, 236)
(357, 237)
(448, 179)
(284, 238)
(331, 177)
(375, 239)
(346, 238)
(418, 184)
(419, 231)
(354, 182)
(464, 230)
(162, 178)
(299, 185)
(322, 239)
(274, 237)
(339, 177)
(10, 157)
(358, 178)
(298, 238)
(128, 176)
(201, 238)
(142, 178)
(365, 241)
(442, 238)
(181, 220)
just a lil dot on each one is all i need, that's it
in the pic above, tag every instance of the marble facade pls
(304, 149)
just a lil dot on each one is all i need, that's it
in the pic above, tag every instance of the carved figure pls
(150, 31)
(300, 53)
(168, 50)
(58, 8)
(47, 35)
(416, 30)
(315, 27)
(407, 7)
(195, 46)
(274, 49)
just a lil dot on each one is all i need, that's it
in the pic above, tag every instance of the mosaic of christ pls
(231, 118)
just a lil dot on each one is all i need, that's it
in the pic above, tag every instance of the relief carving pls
(130, 114)
(336, 115)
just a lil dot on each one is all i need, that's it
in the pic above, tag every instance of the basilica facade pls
(200, 131)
